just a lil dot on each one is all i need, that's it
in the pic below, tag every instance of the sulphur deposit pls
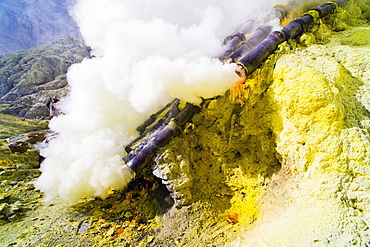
(283, 160)
(287, 157)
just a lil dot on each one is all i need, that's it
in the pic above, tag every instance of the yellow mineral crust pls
(285, 159)
(320, 197)
(244, 205)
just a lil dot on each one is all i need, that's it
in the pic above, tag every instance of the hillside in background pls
(29, 77)
(30, 23)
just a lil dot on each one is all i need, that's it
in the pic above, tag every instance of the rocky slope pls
(26, 24)
(29, 77)
(280, 161)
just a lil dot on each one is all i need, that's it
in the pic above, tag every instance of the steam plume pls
(146, 53)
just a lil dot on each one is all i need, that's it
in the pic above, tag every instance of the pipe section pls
(231, 43)
(294, 29)
(236, 45)
(143, 154)
(248, 45)
(152, 123)
(254, 58)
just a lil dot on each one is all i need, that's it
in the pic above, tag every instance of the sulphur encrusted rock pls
(287, 157)
(320, 120)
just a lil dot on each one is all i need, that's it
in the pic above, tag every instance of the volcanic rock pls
(29, 77)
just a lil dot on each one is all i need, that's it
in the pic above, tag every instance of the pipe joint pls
(277, 36)
(297, 27)
(139, 161)
(238, 36)
(326, 9)
(253, 40)
(293, 29)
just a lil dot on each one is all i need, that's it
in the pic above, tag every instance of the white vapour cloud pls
(147, 52)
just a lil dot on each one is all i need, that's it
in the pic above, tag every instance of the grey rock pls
(24, 166)
(13, 217)
(175, 174)
(4, 197)
(6, 210)
(29, 77)
(83, 228)
(30, 23)
(6, 173)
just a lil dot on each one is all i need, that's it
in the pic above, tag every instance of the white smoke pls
(147, 52)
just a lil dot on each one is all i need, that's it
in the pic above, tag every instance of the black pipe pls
(154, 116)
(297, 27)
(159, 139)
(293, 30)
(326, 9)
(139, 161)
(236, 45)
(231, 43)
(248, 45)
(253, 59)
(247, 26)
(144, 129)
